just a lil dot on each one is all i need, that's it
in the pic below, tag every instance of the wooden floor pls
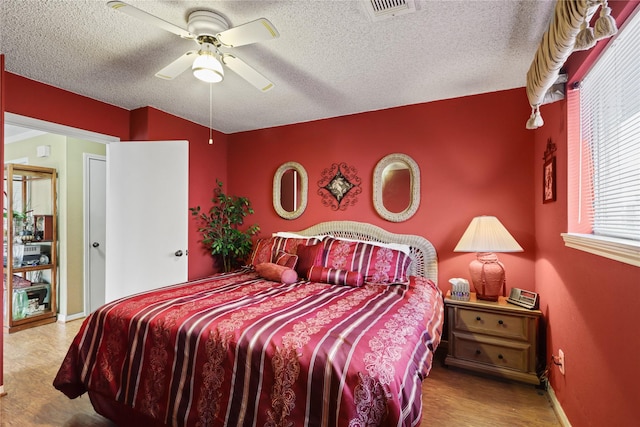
(452, 397)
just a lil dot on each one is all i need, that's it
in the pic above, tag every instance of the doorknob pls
(95, 244)
(178, 253)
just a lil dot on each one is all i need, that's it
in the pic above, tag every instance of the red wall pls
(44, 102)
(588, 301)
(475, 158)
(589, 305)
(474, 155)
(206, 162)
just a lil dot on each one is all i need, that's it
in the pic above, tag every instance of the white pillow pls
(290, 235)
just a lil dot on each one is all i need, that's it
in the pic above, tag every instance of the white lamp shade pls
(207, 68)
(487, 234)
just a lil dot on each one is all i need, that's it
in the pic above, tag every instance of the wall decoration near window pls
(339, 185)
(549, 173)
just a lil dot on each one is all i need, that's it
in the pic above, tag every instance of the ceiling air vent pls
(384, 9)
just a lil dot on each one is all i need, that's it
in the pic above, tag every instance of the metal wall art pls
(339, 186)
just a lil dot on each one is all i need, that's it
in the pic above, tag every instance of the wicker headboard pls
(424, 260)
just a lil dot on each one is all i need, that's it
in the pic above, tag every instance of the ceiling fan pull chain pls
(210, 112)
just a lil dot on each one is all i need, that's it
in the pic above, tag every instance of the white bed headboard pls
(424, 260)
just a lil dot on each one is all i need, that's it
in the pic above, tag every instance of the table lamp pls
(485, 236)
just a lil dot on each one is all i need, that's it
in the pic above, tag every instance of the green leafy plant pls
(221, 227)
(17, 215)
(22, 216)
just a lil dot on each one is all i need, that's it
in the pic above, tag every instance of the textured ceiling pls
(330, 60)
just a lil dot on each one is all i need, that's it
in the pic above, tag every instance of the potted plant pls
(221, 228)
(20, 218)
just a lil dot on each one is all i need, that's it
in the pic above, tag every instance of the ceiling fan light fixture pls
(207, 68)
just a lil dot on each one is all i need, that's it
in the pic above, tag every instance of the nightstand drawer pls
(483, 349)
(492, 323)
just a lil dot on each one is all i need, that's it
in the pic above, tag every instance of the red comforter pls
(235, 349)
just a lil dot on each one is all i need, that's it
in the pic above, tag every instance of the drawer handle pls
(478, 318)
(500, 322)
(478, 352)
(500, 357)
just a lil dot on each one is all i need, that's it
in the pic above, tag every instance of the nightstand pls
(495, 338)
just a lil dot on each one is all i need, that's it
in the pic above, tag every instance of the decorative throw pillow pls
(262, 251)
(308, 256)
(376, 264)
(335, 277)
(396, 246)
(277, 273)
(286, 259)
(290, 244)
(387, 266)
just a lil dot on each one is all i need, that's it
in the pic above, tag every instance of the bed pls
(239, 349)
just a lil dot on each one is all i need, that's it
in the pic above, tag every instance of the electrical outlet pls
(561, 361)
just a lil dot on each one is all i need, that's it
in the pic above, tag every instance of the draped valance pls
(568, 31)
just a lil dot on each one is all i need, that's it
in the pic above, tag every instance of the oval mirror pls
(396, 187)
(290, 185)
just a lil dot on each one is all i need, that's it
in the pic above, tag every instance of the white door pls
(95, 230)
(147, 216)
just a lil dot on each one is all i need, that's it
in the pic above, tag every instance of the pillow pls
(266, 250)
(376, 264)
(308, 256)
(290, 244)
(261, 252)
(335, 277)
(277, 273)
(396, 246)
(285, 259)
(298, 236)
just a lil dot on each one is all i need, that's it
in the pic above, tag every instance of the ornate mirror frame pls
(414, 191)
(304, 187)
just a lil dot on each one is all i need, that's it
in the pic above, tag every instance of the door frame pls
(68, 131)
(50, 127)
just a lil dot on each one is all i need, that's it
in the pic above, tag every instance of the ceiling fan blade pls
(251, 32)
(150, 19)
(178, 66)
(248, 73)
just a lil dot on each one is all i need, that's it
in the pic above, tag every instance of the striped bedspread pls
(235, 349)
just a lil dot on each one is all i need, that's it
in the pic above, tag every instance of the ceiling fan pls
(211, 32)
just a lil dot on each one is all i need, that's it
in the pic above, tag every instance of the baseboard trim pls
(557, 408)
(64, 319)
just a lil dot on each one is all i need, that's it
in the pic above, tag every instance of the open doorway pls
(66, 148)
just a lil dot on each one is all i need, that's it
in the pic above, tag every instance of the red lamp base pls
(488, 276)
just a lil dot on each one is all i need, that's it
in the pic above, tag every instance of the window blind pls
(610, 136)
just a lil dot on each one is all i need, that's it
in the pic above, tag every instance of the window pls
(604, 158)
